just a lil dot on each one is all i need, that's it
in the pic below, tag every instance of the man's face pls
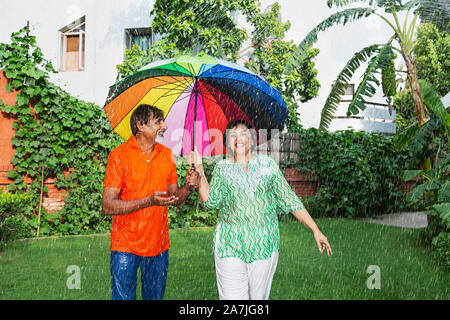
(153, 130)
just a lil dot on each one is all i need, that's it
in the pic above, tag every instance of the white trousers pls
(237, 280)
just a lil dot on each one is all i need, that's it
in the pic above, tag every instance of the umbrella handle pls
(191, 188)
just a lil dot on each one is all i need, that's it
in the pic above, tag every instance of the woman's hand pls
(196, 159)
(193, 179)
(322, 242)
(203, 186)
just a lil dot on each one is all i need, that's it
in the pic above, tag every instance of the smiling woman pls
(248, 188)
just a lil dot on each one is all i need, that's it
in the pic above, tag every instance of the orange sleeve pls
(173, 177)
(114, 171)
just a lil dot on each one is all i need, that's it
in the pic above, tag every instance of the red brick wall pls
(54, 199)
(304, 188)
(6, 131)
(301, 183)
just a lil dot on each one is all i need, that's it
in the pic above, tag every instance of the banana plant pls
(379, 55)
(435, 187)
(434, 103)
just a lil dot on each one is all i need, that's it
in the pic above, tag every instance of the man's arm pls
(180, 193)
(113, 205)
(192, 179)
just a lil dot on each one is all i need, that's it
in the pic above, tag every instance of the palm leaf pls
(433, 101)
(404, 137)
(367, 87)
(418, 138)
(418, 191)
(410, 174)
(341, 17)
(340, 3)
(444, 211)
(444, 192)
(342, 80)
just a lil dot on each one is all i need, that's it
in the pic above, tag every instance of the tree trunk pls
(417, 98)
(415, 89)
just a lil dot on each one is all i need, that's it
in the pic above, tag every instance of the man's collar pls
(134, 144)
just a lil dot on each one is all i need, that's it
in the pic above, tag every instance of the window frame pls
(129, 33)
(79, 26)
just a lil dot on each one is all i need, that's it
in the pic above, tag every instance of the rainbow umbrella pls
(206, 89)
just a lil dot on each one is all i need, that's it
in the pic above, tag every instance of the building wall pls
(105, 45)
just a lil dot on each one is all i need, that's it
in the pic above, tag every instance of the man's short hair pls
(141, 115)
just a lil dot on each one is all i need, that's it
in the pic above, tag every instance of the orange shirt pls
(144, 232)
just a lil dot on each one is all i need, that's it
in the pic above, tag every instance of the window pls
(72, 43)
(143, 37)
(349, 90)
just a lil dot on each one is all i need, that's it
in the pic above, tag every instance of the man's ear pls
(139, 126)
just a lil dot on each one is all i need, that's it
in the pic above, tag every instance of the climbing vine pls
(65, 138)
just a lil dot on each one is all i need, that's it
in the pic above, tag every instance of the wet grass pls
(36, 269)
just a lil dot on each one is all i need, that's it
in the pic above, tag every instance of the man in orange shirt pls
(140, 184)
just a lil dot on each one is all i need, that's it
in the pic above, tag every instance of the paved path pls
(404, 220)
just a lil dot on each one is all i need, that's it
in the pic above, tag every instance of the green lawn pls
(36, 269)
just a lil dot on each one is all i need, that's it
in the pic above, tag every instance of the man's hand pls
(113, 205)
(159, 198)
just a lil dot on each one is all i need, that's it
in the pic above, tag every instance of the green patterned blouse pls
(247, 226)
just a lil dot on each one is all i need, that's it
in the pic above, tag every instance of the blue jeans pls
(124, 266)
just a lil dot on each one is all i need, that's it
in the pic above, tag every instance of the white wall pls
(105, 24)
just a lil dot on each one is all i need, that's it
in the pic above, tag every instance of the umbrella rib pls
(179, 84)
(175, 64)
(165, 95)
(215, 101)
(258, 89)
(179, 81)
(231, 72)
(191, 69)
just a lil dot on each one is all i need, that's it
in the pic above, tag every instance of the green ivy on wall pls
(67, 138)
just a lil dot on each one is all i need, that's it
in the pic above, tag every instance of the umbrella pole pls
(191, 188)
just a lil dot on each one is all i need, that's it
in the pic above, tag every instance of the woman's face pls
(239, 139)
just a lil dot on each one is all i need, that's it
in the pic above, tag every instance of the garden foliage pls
(12, 210)
(359, 173)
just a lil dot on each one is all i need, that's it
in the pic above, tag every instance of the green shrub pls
(442, 246)
(433, 192)
(191, 213)
(359, 172)
(13, 208)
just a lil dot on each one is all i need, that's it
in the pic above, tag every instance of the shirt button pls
(148, 160)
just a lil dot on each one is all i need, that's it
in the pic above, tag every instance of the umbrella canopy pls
(206, 89)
